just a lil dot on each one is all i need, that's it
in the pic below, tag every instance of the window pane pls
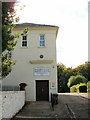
(42, 43)
(24, 43)
(41, 37)
(24, 37)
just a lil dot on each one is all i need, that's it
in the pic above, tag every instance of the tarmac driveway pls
(69, 106)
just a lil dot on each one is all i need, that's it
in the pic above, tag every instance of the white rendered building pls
(35, 55)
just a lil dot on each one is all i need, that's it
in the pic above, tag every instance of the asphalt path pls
(77, 104)
(70, 106)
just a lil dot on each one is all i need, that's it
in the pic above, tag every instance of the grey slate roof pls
(22, 25)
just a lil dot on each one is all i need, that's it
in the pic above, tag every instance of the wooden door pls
(42, 90)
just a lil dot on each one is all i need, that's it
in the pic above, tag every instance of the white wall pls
(11, 102)
(23, 71)
(0, 105)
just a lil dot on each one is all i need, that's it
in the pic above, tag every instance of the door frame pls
(36, 89)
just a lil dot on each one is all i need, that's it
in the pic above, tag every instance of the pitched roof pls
(23, 25)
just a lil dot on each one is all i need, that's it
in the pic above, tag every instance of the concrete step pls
(40, 118)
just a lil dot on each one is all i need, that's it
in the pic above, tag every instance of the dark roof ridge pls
(33, 25)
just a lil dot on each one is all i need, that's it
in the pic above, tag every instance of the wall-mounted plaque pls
(42, 71)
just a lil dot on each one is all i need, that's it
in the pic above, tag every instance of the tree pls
(83, 70)
(8, 43)
(60, 69)
(8, 39)
(74, 80)
(65, 73)
(63, 76)
(8, 13)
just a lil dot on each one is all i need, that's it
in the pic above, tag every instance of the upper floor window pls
(42, 40)
(24, 41)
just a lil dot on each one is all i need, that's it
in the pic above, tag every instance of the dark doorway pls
(83, 89)
(42, 90)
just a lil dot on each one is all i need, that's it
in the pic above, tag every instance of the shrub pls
(74, 80)
(82, 87)
(81, 79)
(71, 81)
(88, 86)
(73, 89)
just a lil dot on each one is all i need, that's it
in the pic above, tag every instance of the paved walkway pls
(69, 106)
(43, 110)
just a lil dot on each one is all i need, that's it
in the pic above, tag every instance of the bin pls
(54, 97)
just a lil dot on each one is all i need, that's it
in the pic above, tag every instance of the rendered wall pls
(10, 103)
(22, 72)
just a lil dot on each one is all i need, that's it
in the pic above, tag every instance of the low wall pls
(10, 103)
(0, 105)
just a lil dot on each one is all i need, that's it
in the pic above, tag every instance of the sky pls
(72, 18)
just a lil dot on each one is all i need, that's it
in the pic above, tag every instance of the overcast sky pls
(72, 18)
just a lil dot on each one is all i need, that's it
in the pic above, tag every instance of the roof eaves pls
(21, 25)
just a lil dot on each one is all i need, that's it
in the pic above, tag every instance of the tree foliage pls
(63, 76)
(8, 43)
(75, 88)
(65, 73)
(7, 64)
(88, 86)
(8, 13)
(60, 69)
(8, 39)
(74, 80)
(83, 70)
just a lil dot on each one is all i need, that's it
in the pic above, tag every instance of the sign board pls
(53, 85)
(41, 71)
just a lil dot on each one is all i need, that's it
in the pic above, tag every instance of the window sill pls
(23, 47)
(41, 47)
